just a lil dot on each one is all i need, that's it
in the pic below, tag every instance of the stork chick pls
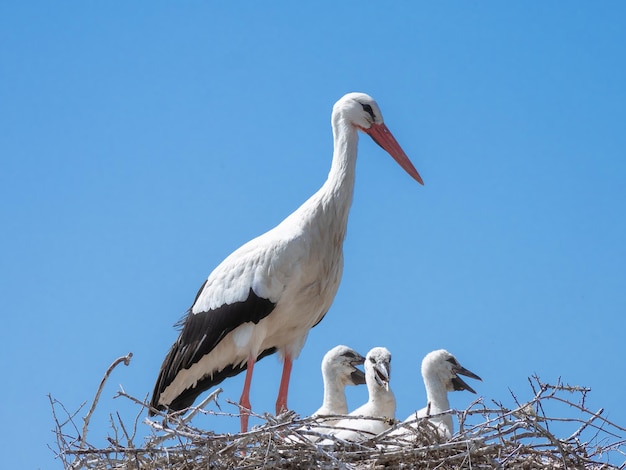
(338, 371)
(440, 371)
(380, 404)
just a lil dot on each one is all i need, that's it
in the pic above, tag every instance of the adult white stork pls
(381, 403)
(440, 371)
(268, 294)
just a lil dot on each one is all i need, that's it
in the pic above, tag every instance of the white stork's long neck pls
(382, 400)
(339, 187)
(334, 396)
(437, 396)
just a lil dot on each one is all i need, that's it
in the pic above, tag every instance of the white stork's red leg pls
(281, 401)
(244, 401)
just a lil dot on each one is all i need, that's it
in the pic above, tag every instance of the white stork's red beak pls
(383, 137)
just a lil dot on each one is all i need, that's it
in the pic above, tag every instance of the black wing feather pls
(201, 333)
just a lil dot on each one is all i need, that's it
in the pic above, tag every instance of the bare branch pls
(126, 361)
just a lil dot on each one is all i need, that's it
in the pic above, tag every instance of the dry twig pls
(493, 436)
(126, 361)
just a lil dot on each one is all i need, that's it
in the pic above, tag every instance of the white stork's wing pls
(244, 288)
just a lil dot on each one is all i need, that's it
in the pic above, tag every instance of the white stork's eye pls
(368, 109)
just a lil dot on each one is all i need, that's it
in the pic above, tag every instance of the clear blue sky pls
(142, 142)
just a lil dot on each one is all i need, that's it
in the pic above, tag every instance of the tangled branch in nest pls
(491, 436)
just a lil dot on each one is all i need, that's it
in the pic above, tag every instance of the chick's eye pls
(368, 109)
(372, 360)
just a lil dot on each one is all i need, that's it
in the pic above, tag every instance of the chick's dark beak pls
(357, 377)
(458, 383)
(383, 374)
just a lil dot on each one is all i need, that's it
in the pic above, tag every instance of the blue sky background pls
(142, 142)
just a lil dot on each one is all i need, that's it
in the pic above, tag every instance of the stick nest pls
(490, 436)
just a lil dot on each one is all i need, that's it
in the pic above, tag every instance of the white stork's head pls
(378, 368)
(362, 112)
(443, 367)
(339, 364)
(359, 109)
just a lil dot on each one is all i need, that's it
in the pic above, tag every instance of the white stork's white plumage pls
(440, 371)
(380, 404)
(338, 371)
(268, 294)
